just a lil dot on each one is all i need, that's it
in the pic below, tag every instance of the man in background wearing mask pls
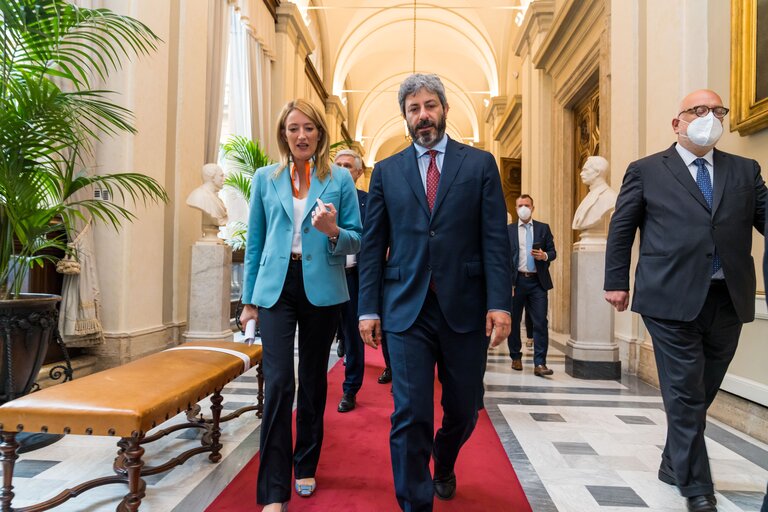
(533, 248)
(695, 207)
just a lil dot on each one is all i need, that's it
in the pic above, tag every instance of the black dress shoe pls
(340, 349)
(445, 486)
(386, 376)
(348, 402)
(666, 474)
(704, 503)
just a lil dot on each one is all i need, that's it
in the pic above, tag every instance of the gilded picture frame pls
(749, 66)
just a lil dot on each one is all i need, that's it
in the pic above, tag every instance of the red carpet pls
(355, 474)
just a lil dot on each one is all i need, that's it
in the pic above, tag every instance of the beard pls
(430, 138)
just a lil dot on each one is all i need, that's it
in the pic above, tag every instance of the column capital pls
(334, 107)
(495, 109)
(291, 23)
(538, 19)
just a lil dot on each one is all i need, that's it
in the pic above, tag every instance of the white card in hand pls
(250, 332)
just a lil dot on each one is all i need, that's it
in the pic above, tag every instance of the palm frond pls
(244, 157)
(51, 52)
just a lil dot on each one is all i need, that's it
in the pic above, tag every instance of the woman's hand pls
(324, 218)
(250, 312)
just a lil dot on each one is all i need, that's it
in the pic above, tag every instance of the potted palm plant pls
(52, 54)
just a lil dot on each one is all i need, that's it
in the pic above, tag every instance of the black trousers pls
(531, 296)
(353, 343)
(317, 326)
(460, 360)
(692, 359)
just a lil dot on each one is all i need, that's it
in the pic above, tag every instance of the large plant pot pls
(27, 324)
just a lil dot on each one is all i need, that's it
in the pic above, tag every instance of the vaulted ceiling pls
(368, 47)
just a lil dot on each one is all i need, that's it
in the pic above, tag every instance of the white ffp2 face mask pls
(705, 131)
(524, 213)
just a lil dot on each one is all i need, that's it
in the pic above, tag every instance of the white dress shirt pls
(523, 249)
(422, 158)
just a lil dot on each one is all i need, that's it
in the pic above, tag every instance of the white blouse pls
(299, 205)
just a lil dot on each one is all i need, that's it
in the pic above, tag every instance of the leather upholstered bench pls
(128, 401)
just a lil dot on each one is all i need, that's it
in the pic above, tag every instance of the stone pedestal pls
(209, 290)
(591, 351)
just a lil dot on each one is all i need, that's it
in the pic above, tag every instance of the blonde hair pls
(323, 151)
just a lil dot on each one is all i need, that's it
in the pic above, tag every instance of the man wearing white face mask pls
(695, 207)
(533, 248)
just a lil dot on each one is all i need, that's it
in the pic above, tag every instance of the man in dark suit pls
(533, 248)
(353, 343)
(439, 207)
(695, 285)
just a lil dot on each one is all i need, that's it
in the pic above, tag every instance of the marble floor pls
(576, 445)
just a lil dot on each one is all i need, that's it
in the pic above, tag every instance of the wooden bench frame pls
(129, 466)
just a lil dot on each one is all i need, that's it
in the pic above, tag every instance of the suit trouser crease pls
(317, 326)
(692, 359)
(353, 343)
(531, 296)
(460, 361)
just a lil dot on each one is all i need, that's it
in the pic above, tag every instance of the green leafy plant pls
(50, 116)
(244, 156)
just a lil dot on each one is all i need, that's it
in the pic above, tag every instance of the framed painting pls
(749, 66)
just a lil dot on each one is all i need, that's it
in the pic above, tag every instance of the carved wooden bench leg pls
(8, 456)
(216, 409)
(136, 484)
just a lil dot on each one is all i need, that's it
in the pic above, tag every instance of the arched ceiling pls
(368, 49)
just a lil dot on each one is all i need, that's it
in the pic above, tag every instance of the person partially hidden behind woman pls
(304, 219)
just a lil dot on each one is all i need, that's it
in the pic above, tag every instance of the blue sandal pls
(305, 490)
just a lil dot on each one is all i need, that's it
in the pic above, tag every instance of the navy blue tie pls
(705, 185)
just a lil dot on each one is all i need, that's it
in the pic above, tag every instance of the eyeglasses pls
(703, 110)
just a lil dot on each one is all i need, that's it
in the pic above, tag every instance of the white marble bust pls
(601, 198)
(206, 199)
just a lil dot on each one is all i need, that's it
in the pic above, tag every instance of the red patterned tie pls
(433, 178)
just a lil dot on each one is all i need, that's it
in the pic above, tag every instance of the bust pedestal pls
(209, 292)
(591, 352)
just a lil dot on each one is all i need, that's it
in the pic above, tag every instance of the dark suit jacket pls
(679, 233)
(362, 198)
(543, 235)
(463, 245)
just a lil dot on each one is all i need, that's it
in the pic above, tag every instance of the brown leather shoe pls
(517, 364)
(541, 370)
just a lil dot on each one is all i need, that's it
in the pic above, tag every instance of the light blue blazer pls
(270, 235)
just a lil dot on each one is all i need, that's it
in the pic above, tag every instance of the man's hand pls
(618, 299)
(500, 323)
(370, 331)
(539, 255)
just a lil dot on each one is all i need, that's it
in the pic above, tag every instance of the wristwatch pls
(333, 239)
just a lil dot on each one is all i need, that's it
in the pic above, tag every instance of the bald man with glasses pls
(695, 207)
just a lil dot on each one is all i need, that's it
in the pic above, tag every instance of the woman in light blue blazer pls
(304, 219)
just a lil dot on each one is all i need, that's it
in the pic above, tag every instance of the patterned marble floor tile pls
(606, 437)
(611, 496)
